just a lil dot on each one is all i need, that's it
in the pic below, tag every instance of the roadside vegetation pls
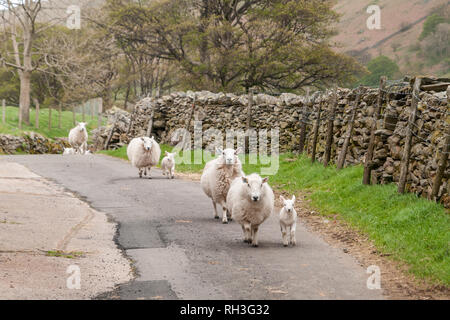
(406, 228)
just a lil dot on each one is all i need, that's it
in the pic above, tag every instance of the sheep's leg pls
(254, 234)
(284, 235)
(224, 213)
(140, 172)
(293, 228)
(247, 233)
(172, 172)
(145, 171)
(149, 173)
(216, 215)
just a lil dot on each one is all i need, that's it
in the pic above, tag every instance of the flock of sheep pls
(248, 199)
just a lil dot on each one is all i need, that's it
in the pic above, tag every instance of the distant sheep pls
(68, 151)
(288, 221)
(144, 152)
(168, 165)
(217, 177)
(250, 201)
(78, 138)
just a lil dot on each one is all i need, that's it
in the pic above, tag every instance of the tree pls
(378, 67)
(237, 44)
(431, 24)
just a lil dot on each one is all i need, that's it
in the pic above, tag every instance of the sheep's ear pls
(219, 150)
(293, 198)
(265, 179)
(238, 151)
(244, 180)
(166, 153)
(153, 137)
(282, 198)
(142, 138)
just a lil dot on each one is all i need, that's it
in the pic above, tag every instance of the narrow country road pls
(166, 228)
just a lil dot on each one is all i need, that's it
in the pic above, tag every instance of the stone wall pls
(32, 143)
(228, 111)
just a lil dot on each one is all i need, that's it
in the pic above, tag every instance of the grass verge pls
(407, 228)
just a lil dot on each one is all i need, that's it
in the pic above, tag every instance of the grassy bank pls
(12, 120)
(412, 230)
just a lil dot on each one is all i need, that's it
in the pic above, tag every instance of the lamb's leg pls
(284, 235)
(216, 215)
(149, 173)
(247, 233)
(145, 171)
(254, 236)
(140, 173)
(293, 240)
(172, 172)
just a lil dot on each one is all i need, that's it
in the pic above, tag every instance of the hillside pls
(401, 25)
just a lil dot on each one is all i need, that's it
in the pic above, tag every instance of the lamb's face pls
(147, 144)
(82, 126)
(229, 155)
(254, 185)
(171, 156)
(288, 205)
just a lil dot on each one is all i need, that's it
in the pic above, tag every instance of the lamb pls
(78, 138)
(288, 221)
(68, 151)
(217, 177)
(144, 152)
(168, 165)
(250, 200)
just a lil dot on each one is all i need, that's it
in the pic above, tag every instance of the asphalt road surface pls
(179, 251)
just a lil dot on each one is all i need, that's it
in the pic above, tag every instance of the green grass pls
(12, 120)
(67, 255)
(410, 229)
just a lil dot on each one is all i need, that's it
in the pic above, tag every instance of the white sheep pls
(144, 152)
(168, 165)
(217, 177)
(78, 138)
(250, 201)
(288, 221)
(68, 151)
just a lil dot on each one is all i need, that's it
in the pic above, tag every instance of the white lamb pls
(217, 177)
(168, 165)
(68, 151)
(288, 221)
(144, 152)
(250, 201)
(78, 138)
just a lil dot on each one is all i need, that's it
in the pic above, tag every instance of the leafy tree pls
(237, 44)
(431, 24)
(378, 67)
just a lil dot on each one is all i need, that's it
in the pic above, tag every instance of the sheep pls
(288, 221)
(78, 138)
(250, 201)
(168, 165)
(143, 152)
(217, 177)
(68, 151)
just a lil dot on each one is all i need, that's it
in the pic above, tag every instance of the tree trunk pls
(59, 115)
(249, 121)
(3, 111)
(25, 91)
(330, 128)
(49, 117)
(316, 133)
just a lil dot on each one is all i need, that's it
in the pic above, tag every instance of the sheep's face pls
(229, 155)
(147, 144)
(254, 185)
(82, 126)
(288, 205)
(171, 156)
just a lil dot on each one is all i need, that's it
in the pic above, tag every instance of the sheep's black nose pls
(255, 198)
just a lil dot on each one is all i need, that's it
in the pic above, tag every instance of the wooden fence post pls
(443, 161)
(59, 115)
(316, 133)
(409, 133)
(91, 107)
(188, 122)
(49, 117)
(304, 123)
(20, 117)
(108, 139)
(249, 121)
(99, 112)
(150, 121)
(36, 116)
(83, 112)
(4, 111)
(343, 154)
(332, 115)
(368, 164)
